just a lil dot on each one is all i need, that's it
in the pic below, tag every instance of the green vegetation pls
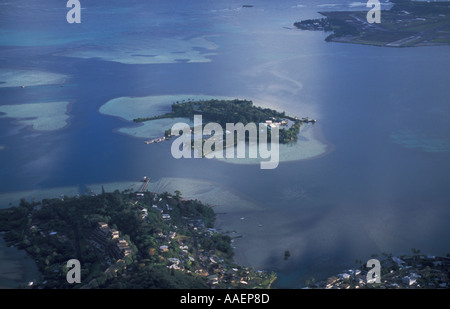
(220, 111)
(231, 111)
(166, 242)
(407, 23)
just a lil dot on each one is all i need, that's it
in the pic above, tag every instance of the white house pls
(174, 261)
(408, 280)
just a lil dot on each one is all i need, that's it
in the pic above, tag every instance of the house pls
(202, 272)
(144, 213)
(121, 249)
(344, 276)
(157, 208)
(114, 234)
(354, 272)
(164, 248)
(398, 261)
(102, 225)
(408, 280)
(213, 279)
(174, 261)
(331, 281)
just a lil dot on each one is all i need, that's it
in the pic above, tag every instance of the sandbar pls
(19, 78)
(412, 139)
(46, 116)
(307, 147)
(129, 108)
(163, 50)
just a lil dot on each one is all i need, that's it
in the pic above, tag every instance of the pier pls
(307, 120)
(144, 186)
(156, 140)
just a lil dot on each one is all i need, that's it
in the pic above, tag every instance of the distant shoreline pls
(406, 24)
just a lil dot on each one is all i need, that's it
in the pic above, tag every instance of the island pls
(406, 24)
(234, 111)
(127, 239)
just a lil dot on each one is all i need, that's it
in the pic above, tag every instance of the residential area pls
(127, 240)
(415, 271)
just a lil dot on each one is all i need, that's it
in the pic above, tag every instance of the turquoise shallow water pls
(421, 141)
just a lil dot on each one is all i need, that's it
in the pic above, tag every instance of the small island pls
(127, 239)
(407, 24)
(234, 111)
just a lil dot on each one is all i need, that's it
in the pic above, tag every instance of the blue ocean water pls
(381, 110)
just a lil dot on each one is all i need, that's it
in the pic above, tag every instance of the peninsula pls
(407, 24)
(127, 239)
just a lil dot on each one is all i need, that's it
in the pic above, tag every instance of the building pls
(408, 280)
(102, 237)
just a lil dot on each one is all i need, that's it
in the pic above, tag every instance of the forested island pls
(127, 240)
(406, 24)
(235, 111)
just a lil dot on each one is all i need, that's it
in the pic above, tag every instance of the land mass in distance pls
(406, 24)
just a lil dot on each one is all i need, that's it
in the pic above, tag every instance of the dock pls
(307, 120)
(144, 186)
(156, 140)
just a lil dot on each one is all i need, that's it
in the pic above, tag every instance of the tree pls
(178, 194)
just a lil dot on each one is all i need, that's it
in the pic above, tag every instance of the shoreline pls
(314, 136)
(405, 24)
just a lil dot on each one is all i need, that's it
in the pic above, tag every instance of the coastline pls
(310, 145)
(223, 200)
(405, 24)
